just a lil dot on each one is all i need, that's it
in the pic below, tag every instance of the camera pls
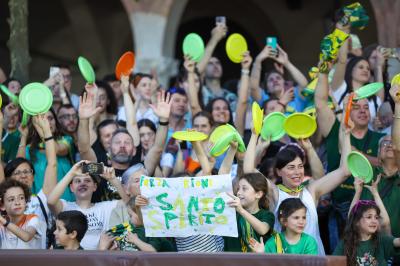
(93, 168)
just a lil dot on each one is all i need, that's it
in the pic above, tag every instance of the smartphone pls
(220, 20)
(183, 145)
(93, 168)
(53, 71)
(271, 41)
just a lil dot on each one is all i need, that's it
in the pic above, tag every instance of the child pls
(83, 186)
(253, 217)
(292, 239)
(71, 227)
(362, 243)
(18, 230)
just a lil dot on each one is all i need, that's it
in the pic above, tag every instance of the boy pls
(83, 186)
(71, 227)
(18, 230)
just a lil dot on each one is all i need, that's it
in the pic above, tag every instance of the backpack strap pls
(43, 211)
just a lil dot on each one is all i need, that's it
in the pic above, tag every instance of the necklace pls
(289, 190)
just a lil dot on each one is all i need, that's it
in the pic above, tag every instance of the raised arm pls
(243, 93)
(130, 111)
(378, 73)
(226, 165)
(162, 109)
(42, 126)
(340, 70)
(325, 116)
(317, 169)
(250, 167)
(23, 130)
(190, 65)
(395, 94)
(385, 219)
(53, 199)
(298, 77)
(333, 179)
(202, 157)
(217, 34)
(86, 111)
(255, 77)
(358, 187)
(109, 176)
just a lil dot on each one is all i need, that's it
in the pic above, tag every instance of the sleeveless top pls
(312, 216)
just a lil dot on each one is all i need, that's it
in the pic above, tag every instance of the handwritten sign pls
(185, 206)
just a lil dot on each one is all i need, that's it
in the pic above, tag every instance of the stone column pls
(387, 15)
(151, 31)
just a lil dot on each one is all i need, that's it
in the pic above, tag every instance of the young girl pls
(251, 203)
(292, 239)
(18, 230)
(366, 240)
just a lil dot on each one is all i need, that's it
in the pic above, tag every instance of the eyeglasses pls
(69, 117)
(24, 172)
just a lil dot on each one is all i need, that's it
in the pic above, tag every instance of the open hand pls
(86, 106)
(163, 107)
(234, 202)
(256, 246)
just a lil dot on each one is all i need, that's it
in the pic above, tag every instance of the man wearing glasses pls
(68, 118)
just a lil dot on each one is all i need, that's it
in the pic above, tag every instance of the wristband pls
(49, 138)
(7, 223)
(164, 123)
(245, 71)
(284, 106)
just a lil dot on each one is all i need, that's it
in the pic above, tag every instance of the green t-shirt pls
(64, 164)
(306, 245)
(368, 255)
(390, 187)
(241, 244)
(10, 145)
(368, 145)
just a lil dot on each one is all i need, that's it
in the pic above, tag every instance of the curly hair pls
(352, 238)
(10, 183)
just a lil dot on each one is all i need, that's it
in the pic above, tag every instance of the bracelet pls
(338, 112)
(245, 71)
(49, 138)
(6, 224)
(284, 106)
(164, 123)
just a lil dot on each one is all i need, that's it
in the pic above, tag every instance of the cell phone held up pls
(93, 168)
(272, 42)
(220, 20)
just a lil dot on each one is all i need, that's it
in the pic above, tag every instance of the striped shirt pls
(200, 243)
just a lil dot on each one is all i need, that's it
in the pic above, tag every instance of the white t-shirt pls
(98, 218)
(148, 114)
(10, 241)
(33, 207)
